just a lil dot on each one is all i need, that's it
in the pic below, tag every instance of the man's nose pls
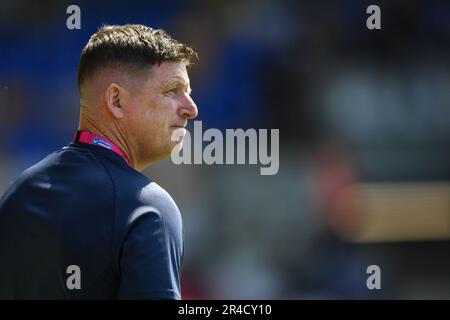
(188, 108)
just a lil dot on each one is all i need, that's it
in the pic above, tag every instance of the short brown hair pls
(131, 45)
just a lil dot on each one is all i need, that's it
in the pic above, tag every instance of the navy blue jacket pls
(82, 224)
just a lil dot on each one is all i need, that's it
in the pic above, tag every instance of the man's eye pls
(171, 93)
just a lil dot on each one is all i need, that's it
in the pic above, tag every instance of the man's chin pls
(176, 146)
(176, 138)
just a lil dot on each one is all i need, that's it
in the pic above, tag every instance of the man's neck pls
(113, 135)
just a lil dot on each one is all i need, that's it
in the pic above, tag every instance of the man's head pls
(135, 89)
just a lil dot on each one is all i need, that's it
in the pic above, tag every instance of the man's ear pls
(114, 95)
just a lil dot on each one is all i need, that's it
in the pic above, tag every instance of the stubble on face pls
(153, 114)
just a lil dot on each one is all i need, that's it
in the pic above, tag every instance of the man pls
(84, 223)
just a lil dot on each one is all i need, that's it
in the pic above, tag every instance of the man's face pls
(159, 105)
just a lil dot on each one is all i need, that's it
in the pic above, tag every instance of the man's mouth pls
(180, 125)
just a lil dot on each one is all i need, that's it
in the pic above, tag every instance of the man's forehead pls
(168, 72)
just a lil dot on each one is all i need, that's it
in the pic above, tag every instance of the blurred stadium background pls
(364, 119)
